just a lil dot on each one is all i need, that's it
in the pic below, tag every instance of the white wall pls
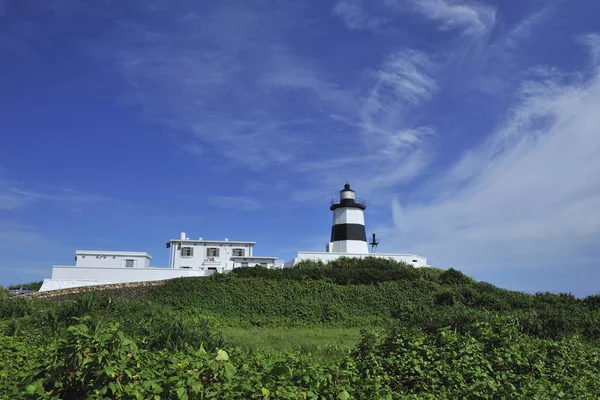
(111, 260)
(118, 275)
(417, 261)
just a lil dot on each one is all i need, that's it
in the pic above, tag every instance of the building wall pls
(111, 260)
(417, 261)
(117, 275)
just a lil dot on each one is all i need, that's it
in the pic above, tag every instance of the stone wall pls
(125, 291)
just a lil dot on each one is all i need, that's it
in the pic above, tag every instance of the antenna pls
(374, 244)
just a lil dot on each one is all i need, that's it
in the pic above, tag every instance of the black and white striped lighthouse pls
(348, 228)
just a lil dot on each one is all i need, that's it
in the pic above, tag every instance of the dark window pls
(238, 252)
(187, 251)
(129, 263)
(212, 252)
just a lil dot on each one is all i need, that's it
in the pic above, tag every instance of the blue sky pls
(472, 129)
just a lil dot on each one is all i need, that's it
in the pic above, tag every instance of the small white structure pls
(112, 259)
(348, 238)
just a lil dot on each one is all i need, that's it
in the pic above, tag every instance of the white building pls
(188, 258)
(348, 237)
(210, 256)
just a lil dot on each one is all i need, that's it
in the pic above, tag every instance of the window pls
(415, 261)
(185, 267)
(187, 252)
(212, 252)
(238, 252)
(129, 263)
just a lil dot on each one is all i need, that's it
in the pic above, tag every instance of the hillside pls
(352, 292)
(364, 329)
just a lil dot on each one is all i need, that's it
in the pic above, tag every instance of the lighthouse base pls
(412, 259)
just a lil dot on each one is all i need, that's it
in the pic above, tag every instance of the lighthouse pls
(348, 227)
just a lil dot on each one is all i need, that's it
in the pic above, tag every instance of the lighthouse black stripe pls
(348, 232)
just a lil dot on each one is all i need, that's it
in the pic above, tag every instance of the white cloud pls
(354, 15)
(404, 81)
(529, 196)
(218, 76)
(524, 28)
(388, 150)
(471, 18)
(592, 41)
(12, 198)
(229, 79)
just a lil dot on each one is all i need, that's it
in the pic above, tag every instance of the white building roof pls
(212, 241)
(112, 253)
(361, 254)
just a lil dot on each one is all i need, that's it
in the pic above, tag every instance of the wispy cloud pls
(524, 28)
(592, 41)
(16, 195)
(471, 18)
(355, 16)
(281, 99)
(213, 74)
(393, 149)
(526, 197)
(11, 196)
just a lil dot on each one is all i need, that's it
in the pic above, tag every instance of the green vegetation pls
(361, 329)
(320, 341)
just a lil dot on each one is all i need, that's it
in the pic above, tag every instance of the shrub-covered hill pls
(354, 292)
(437, 335)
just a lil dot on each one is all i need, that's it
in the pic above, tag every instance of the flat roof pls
(112, 253)
(359, 254)
(212, 241)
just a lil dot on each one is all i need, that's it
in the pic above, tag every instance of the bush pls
(446, 298)
(454, 277)
(592, 302)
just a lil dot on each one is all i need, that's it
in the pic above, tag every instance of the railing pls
(360, 202)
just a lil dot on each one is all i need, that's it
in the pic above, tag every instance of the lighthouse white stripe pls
(348, 216)
(351, 246)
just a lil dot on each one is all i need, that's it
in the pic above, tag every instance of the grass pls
(318, 341)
